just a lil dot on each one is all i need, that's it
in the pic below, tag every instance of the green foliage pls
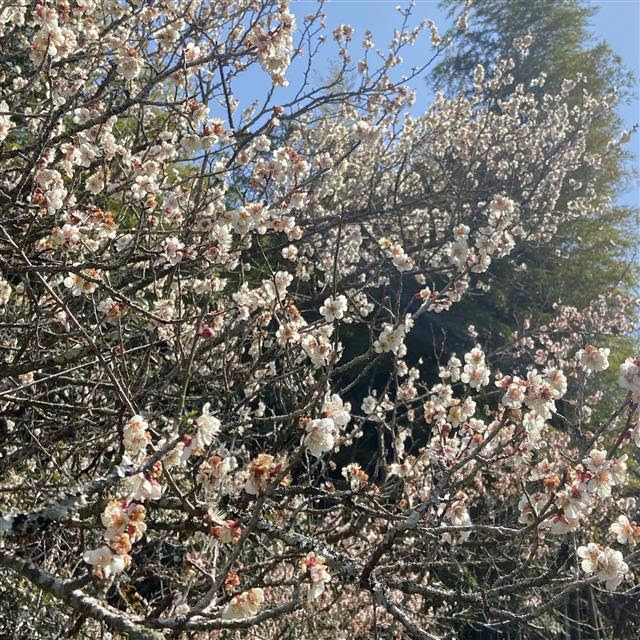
(563, 45)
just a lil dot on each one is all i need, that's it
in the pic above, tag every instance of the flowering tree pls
(208, 308)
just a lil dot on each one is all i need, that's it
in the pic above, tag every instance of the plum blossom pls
(318, 575)
(214, 471)
(515, 393)
(136, 437)
(320, 436)
(228, 532)
(334, 308)
(141, 487)
(111, 309)
(96, 182)
(635, 433)
(80, 286)
(317, 347)
(260, 471)
(106, 562)
(266, 257)
(625, 531)
(333, 407)
(392, 338)
(476, 372)
(207, 428)
(244, 605)
(531, 507)
(452, 370)
(606, 563)
(461, 411)
(400, 259)
(630, 377)
(355, 474)
(574, 500)
(592, 359)
(5, 291)
(129, 65)
(5, 120)
(457, 514)
(123, 517)
(534, 426)
(173, 250)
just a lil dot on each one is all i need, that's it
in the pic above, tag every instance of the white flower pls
(500, 210)
(173, 250)
(174, 458)
(401, 261)
(114, 518)
(475, 372)
(129, 65)
(630, 377)
(260, 472)
(355, 475)
(475, 376)
(514, 396)
(87, 154)
(593, 359)
(164, 309)
(290, 253)
(244, 605)
(460, 412)
(334, 308)
(451, 371)
(601, 484)
(5, 291)
(334, 408)
(320, 436)
(317, 348)
(111, 309)
(612, 568)
(606, 563)
(369, 404)
(635, 434)
(5, 121)
(557, 382)
(120, 517)
(365, 131)
(457, 514)
(213, 471)
(392, 339)
(136, 437)
(318, 574)
(531, 507)
(590, 555)
(596, 460)
(624, 531)
(574, 500)
(105, 562)
(141, 488)
(191, 143)
(534, 425)
(95, 182)
(229, 532)
(79, 286)
(208, 427)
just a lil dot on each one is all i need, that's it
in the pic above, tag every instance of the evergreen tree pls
(589, 257)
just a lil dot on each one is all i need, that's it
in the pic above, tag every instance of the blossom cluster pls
(228, 373)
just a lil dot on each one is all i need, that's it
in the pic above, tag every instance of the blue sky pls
(616, 21)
